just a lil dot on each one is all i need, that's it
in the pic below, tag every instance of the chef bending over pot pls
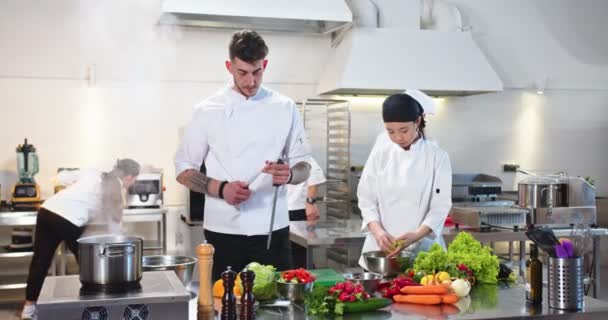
(405, 188)
(95, 196)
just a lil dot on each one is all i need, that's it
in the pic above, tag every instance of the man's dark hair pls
(248, 46)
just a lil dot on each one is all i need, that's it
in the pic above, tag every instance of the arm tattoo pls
(195, 181)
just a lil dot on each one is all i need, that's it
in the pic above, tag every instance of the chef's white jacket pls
(296, 194)
(234, 136)
(403, 189)
(81, 201)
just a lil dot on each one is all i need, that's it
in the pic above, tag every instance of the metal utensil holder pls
(565, 283)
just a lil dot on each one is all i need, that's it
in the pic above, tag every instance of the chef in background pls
(64, 217)
(405, 188)
(301, 202)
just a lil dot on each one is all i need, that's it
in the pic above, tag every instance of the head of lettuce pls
(264, 284)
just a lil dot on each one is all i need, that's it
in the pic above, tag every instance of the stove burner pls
(95, 288)
(136, 312)
(95, 313)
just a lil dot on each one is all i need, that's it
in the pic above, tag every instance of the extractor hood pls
(384, 61)
(316, 16)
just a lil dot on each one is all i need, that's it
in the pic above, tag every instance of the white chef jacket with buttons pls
(403, 189)
(296, 194)
(234, 136)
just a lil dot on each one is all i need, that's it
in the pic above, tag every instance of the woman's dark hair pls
(248, 46)
(422, 126)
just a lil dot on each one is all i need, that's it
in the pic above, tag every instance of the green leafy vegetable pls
(264, 285)
(463, 250)
(436, 259)
(479, 258)
(319, 302)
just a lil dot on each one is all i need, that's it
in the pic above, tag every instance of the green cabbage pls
(264, 284)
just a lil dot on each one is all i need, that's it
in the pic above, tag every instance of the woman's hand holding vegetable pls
(407, 239)
(383, 239)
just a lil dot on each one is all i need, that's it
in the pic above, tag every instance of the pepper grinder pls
(247, 298)
(228, 300)
(205, 253)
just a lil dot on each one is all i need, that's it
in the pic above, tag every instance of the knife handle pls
(280, 161)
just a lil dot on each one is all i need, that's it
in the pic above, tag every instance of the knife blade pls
(274, 206)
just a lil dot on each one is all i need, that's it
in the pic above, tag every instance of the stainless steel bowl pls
(368, 280)
(377, 262)
(294, 291)
(183, 266)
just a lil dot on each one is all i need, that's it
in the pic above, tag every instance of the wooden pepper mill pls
(205, 253)
(247, 298)
(228, 300)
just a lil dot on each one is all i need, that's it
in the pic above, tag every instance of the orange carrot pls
(418, 298)
(449, 298)
(432, 289)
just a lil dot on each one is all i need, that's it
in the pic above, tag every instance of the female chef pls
(405, 188)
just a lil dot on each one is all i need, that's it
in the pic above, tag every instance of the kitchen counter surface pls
(311, 235)
(486, 302)
(321, 233)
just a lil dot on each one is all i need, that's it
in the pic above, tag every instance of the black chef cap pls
(401, 108)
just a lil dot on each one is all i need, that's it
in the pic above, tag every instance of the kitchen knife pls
(274, 206)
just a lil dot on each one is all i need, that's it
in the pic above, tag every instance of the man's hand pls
(383, 239)
(312, 212)
(236, 192)
(280, 172)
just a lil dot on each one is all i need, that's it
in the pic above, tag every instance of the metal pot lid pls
(539, 180)
(109, 239)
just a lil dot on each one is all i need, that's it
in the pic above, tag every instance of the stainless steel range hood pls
(310, 16)
(384, 61)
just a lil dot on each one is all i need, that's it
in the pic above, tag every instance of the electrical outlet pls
(510, 167)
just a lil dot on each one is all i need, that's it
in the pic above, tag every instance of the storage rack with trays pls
(337, 137)
(338, 200)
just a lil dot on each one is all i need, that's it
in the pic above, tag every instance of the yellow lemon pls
(442, 276)
(427, 280)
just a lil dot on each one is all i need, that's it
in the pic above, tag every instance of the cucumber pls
(370, 304)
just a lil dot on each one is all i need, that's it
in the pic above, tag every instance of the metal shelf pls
(13, 282)
(5, 253)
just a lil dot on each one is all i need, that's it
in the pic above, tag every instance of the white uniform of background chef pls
(301, 197)
(301, 200)
(95, 196)
(405, 187)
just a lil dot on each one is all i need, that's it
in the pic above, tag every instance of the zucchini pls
(370, 304)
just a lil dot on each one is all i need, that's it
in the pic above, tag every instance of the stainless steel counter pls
(487, 302)
(335, 233)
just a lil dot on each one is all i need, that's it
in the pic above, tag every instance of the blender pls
(26, 193)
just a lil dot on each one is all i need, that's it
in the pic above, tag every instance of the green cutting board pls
(326, 277)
